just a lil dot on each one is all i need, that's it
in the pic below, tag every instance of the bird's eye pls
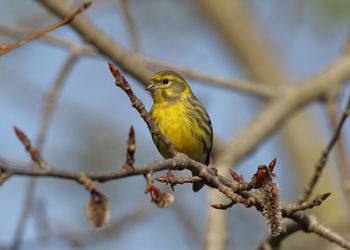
(165, 81)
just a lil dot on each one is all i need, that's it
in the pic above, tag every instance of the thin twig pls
(33, 151)
(343, 164)
(324, 157)
(8, 47)
(317, 201)
(332, 110)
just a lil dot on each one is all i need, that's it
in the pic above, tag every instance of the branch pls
(33, 151)
(324, 157)
(319, 199)
(179, 163)
(306, 222)
(309, 224)
(8, 47)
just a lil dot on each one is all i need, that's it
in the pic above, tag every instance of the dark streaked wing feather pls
(200, 115)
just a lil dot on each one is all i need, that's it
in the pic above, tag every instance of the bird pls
(181, 117)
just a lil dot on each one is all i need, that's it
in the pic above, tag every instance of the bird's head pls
(168, 86)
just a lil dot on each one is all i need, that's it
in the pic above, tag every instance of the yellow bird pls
(181, 118)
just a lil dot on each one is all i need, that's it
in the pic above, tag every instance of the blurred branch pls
(117, 226)
(235, 22)
(128, 61)
(243, 86)
(49, 105)
(309, 224)
(14, 163)
(42, 221)
(89, 237)
(125, 4)
(274, 115)
(332, 110)
(132, 63)
(240, 85)
(184, 215)
(52, 96)
(324, 157)
(8, 47)
(343, 163)
(289, 227)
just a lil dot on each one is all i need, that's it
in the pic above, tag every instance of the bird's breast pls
(175, 124)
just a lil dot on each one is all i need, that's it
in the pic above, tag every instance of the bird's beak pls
(151, 86)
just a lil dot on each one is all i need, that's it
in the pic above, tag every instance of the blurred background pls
(89, 127)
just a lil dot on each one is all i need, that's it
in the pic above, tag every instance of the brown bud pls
(166, 200)
(97, 209)
(219, 206)
(235, 176)
(272, 165)
(250, 201)
(161, 179)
